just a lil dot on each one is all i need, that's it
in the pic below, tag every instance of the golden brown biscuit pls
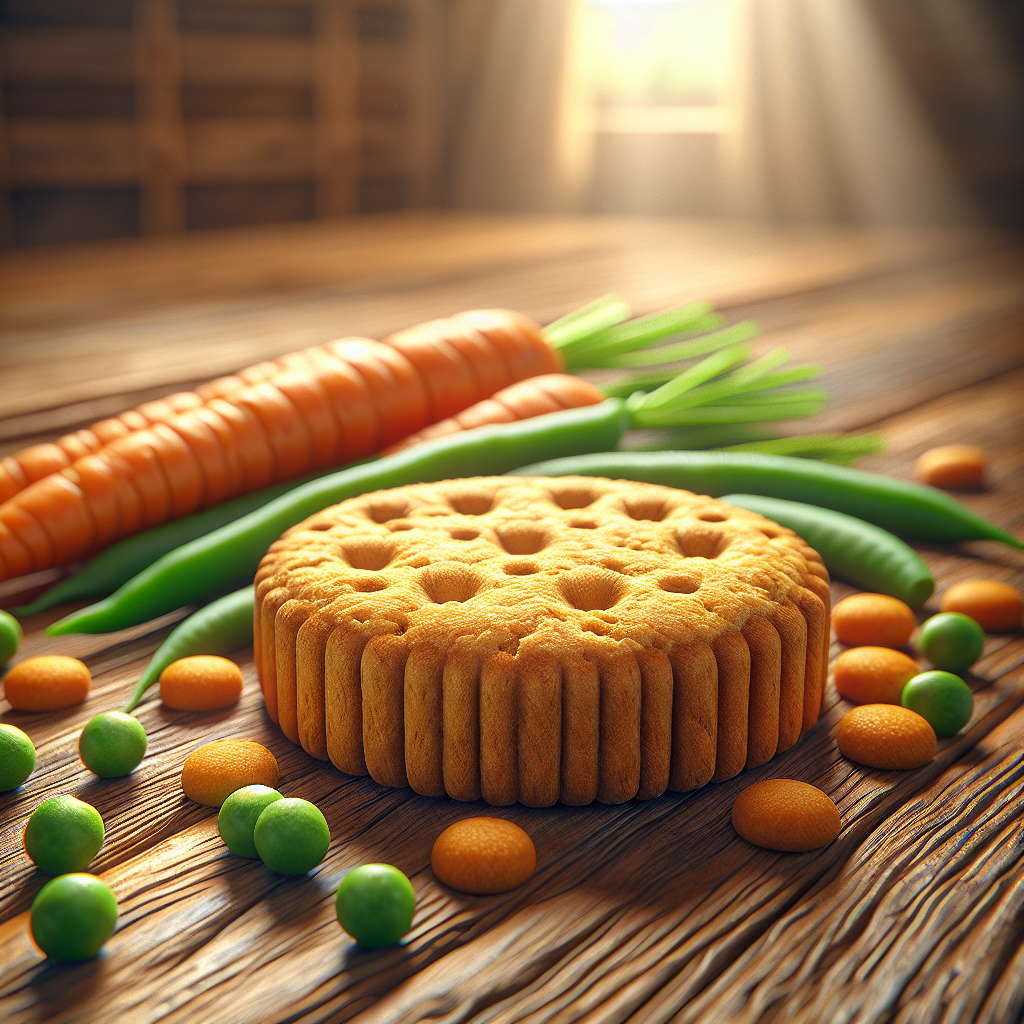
(541, 639)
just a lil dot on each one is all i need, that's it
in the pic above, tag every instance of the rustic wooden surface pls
(650, 911)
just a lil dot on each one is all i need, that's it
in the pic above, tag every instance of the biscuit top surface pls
(538, 563)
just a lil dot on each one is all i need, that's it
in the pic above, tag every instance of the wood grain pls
(648, 911)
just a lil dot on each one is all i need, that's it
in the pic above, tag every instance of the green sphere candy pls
(72, 916)
(112, 744)
(944, 700)
(375, 904)
(291, 836)
(951, 641)
(17, 757)
(10, 636)
(239, 814)
(63, 834)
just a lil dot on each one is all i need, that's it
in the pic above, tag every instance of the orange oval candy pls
(995, 606)
(203, 682)
(483, 856)
(47, 683)
(886, 736)
(214, 771)
(875, 619)
(786, 815)
(955, 467)
(873, 675)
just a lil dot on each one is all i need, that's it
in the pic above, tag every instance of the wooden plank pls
(251, 149)
(655, 906)
(646, 911)
(72, 152)
(161, 143)
(945, 302)
(6, 222)
(385, 147)
(657, 261)
(424, 147)
(100, 55)
(336, 125)
(219, 58)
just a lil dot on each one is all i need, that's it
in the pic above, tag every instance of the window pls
(659, 66)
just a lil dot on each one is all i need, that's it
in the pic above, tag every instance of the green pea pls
(944, 700)
(951, 641)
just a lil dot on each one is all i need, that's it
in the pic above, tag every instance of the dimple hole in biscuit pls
(520, 568)
(471, 503)
(372, 553)
(449, 581)
(712, 517)
(463, 533)
(649, 508)
(385, 511)
(591, 589)
(400, 525)
(522, 538)
(701, 542)
(680, 584)
(583, 524)
(572, 497)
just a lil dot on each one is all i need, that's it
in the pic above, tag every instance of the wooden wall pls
(125, 117)
(964, 63)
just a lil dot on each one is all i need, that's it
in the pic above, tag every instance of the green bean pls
(228, 557)
(104, 573)
(912, 510)
(223, 626)
(858, 552)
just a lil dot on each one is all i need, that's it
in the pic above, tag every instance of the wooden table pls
(650, 911)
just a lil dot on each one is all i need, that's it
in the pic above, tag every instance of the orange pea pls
(213, 772)
(203, 682)
(47, 683)
(875, 619)
(886, 736)
(955, 467)
(873, 675)
(995, 606)
(783, 814)
(483, 855)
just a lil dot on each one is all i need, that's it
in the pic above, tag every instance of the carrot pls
(31, 464)
(282, 419)
(283, 427)
(450, 363)
(518, 340)
(23, 543)
(520, 401)
(446, 376)
(250, 441)
(398, 397)
(99, 485)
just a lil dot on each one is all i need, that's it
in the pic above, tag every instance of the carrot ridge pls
(286, 431)
(208, 452)
(184, 475)
(252, 443)
(445, 375)
(29, 542)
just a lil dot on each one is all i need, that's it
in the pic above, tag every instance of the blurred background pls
(138, 117)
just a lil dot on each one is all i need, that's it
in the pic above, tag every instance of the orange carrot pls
(523, 400)
(398, 394)
(455, 361)
(31, 464)
(275, 421)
